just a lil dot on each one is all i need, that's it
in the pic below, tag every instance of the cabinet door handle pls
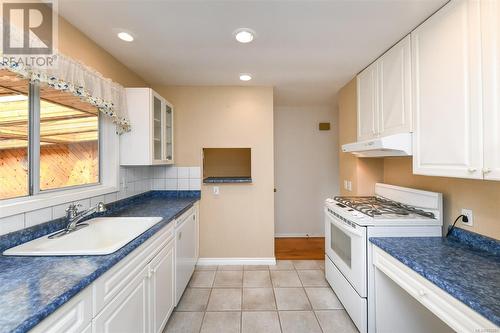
(150, 273)
(180, 235)
(486, 170)
(422, 293)
(472, 169)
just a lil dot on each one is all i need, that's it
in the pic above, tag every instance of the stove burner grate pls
(376, 206)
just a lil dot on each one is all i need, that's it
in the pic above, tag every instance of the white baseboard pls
(297, 235)
(236, 261)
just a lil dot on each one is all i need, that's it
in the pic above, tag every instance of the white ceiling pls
(306, 49)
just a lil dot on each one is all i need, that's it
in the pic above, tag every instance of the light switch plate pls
(216, 190)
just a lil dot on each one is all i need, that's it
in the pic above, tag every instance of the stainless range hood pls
(391, 145)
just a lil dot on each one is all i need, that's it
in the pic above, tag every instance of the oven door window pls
(340, 244)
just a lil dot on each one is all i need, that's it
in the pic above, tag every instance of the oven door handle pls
(347, 229)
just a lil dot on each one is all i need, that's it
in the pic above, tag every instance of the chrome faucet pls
(74, 217)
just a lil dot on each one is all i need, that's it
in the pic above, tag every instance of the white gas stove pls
(349, 223)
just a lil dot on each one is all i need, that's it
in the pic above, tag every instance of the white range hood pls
(391, 145)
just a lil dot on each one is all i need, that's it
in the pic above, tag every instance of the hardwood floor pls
(301, 248)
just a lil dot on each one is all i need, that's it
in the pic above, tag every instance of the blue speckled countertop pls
(227, 180)
(31, 288)
(465, 265)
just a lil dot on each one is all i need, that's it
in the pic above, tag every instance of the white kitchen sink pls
(104, 235)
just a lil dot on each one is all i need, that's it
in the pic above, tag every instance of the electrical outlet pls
(347, 185)
(216, 190)
(470, 217)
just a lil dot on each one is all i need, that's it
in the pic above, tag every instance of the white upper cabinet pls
(394, 69)
(384, 94)
(490, 27)
(367, 103)
(151, 140)
(446, 85)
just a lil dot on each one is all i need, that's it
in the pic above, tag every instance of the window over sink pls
(49, 139)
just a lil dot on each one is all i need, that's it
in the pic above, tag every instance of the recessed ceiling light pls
(125, 36)
(244, 35)
(245, 77)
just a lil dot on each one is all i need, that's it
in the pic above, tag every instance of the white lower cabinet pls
(407, 302)
(137, 295)
(146, 302)
(161, 289)
(186, 250)
(128, 312)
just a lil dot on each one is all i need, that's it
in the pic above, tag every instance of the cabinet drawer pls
(354, 304)
(112, 282)
(73, 317)
(454, 313)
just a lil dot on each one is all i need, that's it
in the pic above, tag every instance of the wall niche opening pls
(227, 165)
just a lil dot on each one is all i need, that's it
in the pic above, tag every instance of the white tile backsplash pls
(158, 184)
(194, 172)
(37, 216)
(171, 184)
(108, 198)
(195, 184)
(129, 174)
(95, 200)
(182, 172)
(159, 172)
(85, 204)
(59, 211)
(11, 223)
(183, 184)
(173, 178)
(171, 172)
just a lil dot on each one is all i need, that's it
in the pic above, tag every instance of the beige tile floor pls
(291, 297)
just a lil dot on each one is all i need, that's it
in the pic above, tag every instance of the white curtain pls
(70, 75)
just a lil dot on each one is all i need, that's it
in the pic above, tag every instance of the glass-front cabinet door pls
(157, 129)
(162, 131)
(169, 133)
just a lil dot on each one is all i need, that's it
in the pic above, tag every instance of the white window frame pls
(109, 173)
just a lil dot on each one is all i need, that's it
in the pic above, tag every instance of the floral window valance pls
(72, 76)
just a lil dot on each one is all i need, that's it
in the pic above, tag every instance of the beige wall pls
(362, 172)
(240, 221)
(306, 168)
(73, 43)
(483, 197)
